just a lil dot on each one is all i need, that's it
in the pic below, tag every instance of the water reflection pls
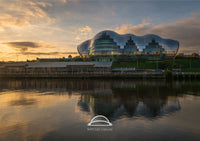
(23, 101)
(101, 86)
(118, 104)
(37, 109)
(113, 99)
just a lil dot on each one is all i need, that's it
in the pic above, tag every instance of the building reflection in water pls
(114, 99)
(129, 103)
(41, 108)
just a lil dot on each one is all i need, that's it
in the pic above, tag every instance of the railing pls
(123, 69)
(77, 73)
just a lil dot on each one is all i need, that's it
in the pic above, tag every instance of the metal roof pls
(57, 64)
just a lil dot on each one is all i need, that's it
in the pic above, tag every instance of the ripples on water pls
(57, 109)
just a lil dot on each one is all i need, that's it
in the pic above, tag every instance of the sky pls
(53, 28)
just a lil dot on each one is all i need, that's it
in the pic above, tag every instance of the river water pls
(58, 109)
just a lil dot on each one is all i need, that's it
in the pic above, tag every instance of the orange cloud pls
(23, 50)
(83, 33)
(186, 31)
(85, 30)
(9, 20)
(23, 13)
(26, 45)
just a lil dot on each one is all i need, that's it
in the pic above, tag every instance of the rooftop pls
(56, 64)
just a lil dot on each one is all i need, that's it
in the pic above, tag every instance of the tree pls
(194, 55)
(69, 56)
(78, 58)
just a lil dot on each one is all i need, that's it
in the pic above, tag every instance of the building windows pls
(110, 44)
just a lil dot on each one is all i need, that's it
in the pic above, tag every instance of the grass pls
(185, 64)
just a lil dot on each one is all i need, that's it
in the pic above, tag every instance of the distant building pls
(55, 68)
(53, 59)
(110, 46)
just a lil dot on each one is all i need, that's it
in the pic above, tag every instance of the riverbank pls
(144, 75)
(103, 70)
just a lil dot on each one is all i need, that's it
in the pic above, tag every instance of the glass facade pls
(109, 43)
(153, 48)
(130, 48)
(104, 45)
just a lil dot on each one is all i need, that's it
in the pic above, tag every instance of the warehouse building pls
(56, 68)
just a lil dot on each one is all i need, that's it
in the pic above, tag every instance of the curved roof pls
(121, 39)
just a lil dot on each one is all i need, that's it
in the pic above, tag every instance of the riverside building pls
(110, 46)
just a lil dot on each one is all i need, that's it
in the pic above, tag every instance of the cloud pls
(42, 53)
(26, 45)
(83, 33)
(24, 13)
(186, 31)
(6, 20)
(113, 13)
(31, 48)
(140, 29)
(85, 30)
(22, 44)
(48, 53)
(63, 1)
(23, 50)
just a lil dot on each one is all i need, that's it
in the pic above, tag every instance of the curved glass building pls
(104, 45)
(108, 45)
